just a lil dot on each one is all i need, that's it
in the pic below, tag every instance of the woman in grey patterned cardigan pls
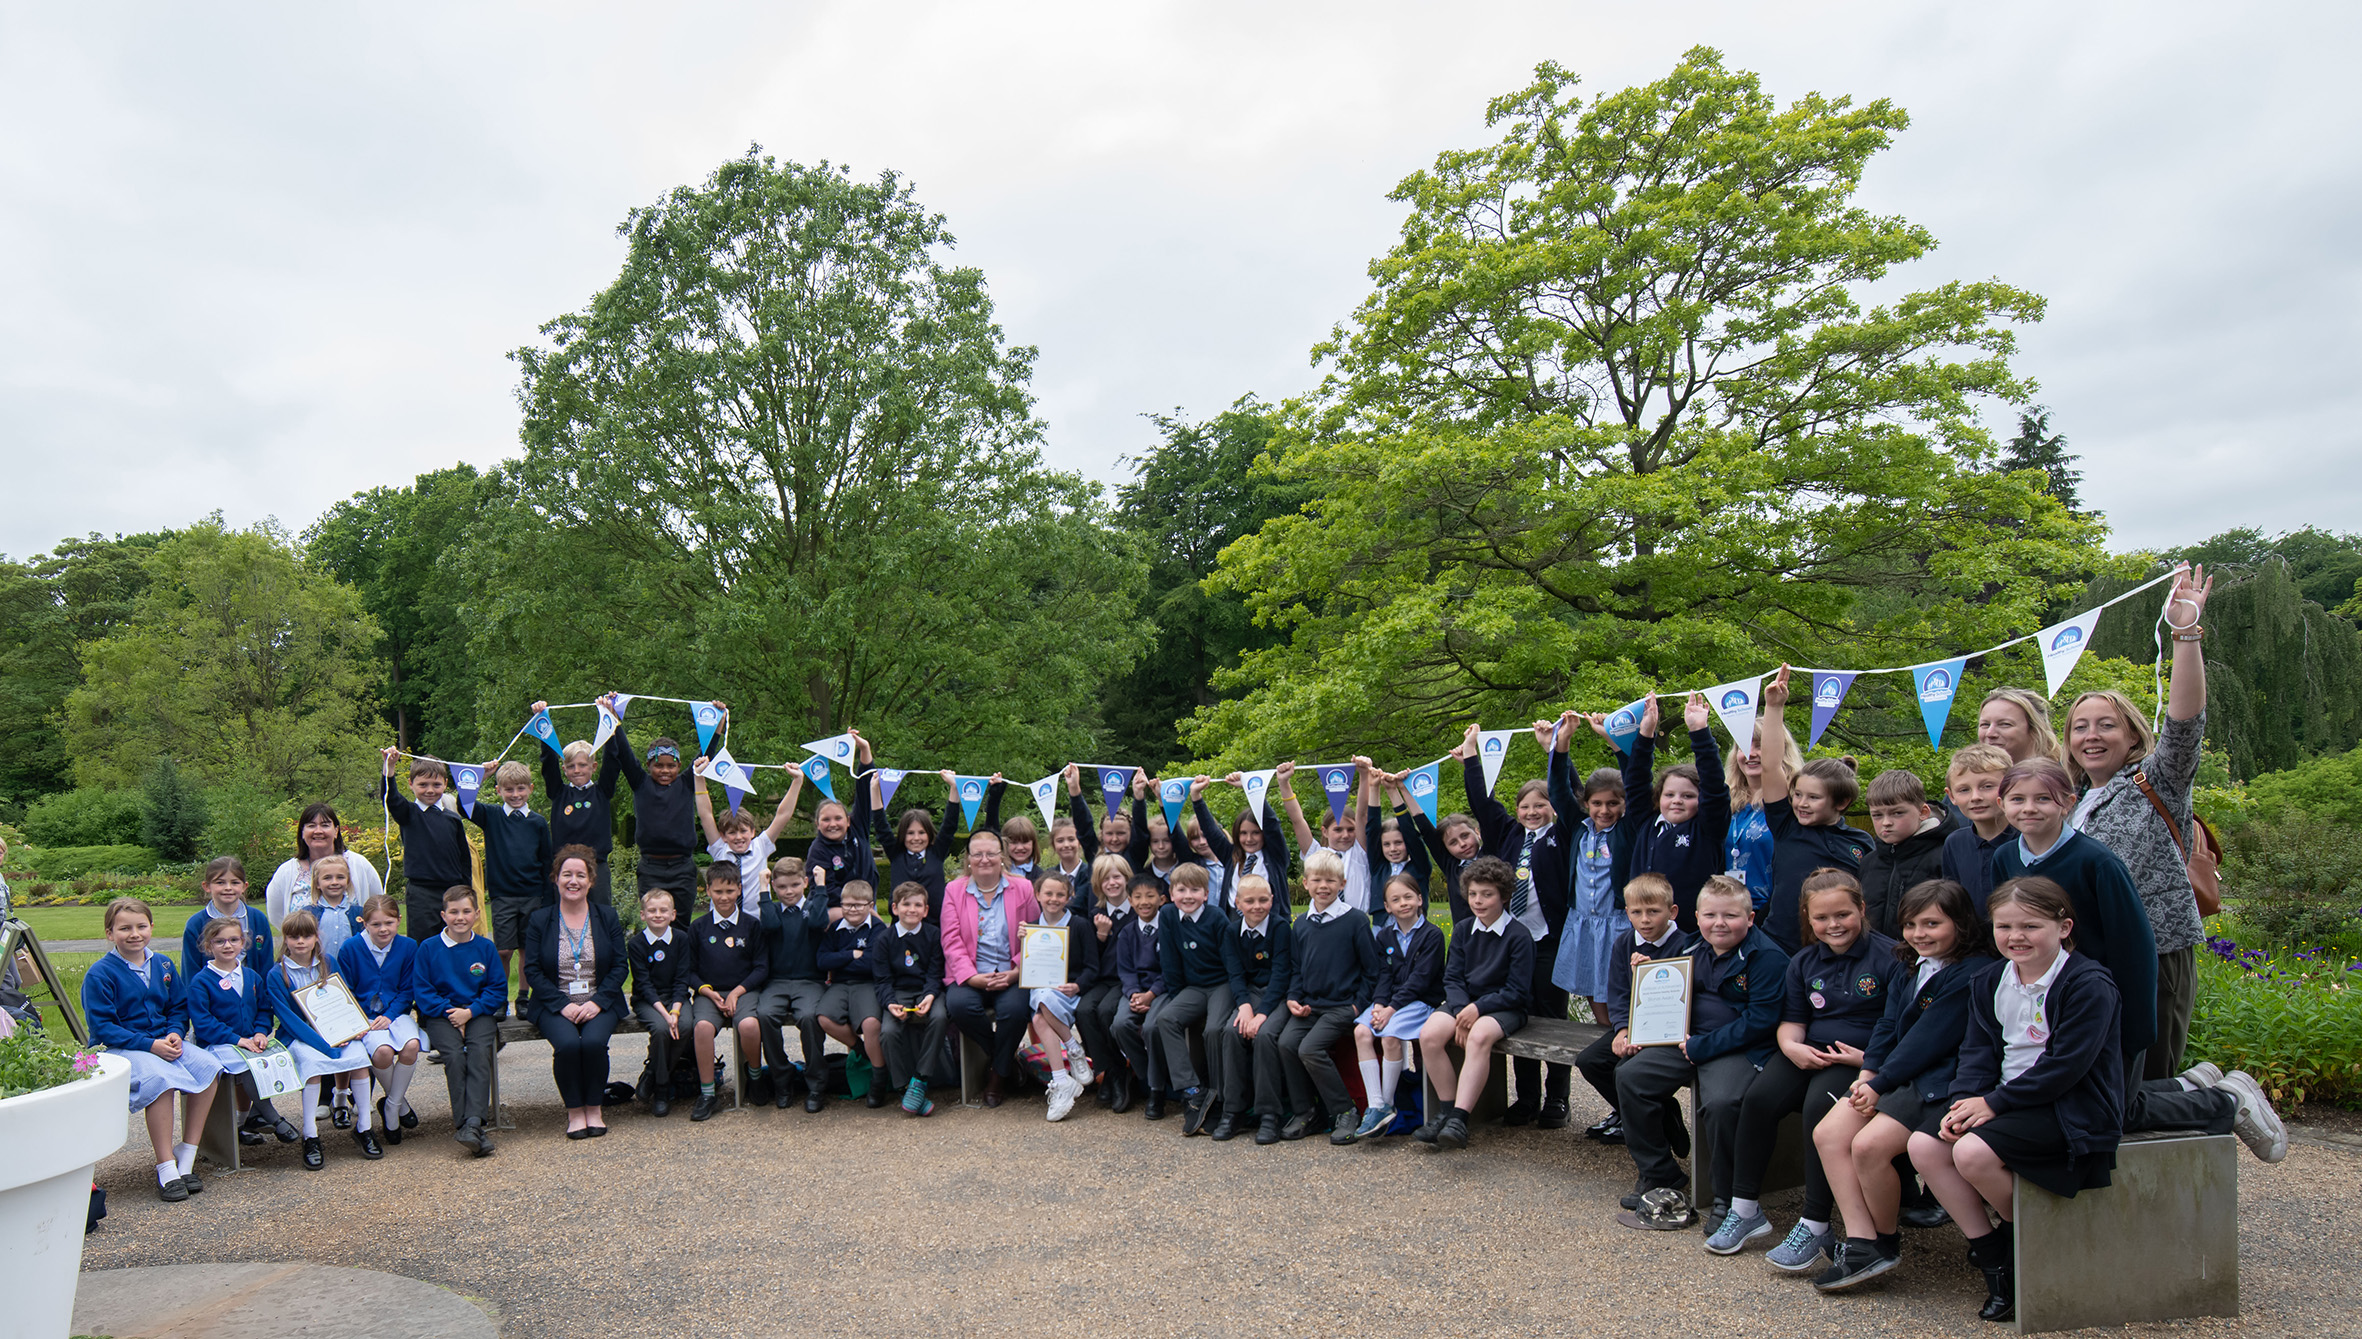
(2109, 744)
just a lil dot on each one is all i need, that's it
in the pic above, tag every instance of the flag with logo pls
(1829, 688)
(736, 781)
(816, 771)
(541, 727)
(1421, 782)
(709, 719)
(1257, 785)
(468, 780)
(609, 722)
(836, 748)
(1045, 797)
(1623, 724)
(889, 781)
(1937, 684)
(1336, 779)
(1736, 704)
(970, 789)
(2062, 645)
(1113, 782)
(1173, 794)
(1492, 749)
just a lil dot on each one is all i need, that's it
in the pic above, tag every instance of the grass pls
(70, 967)
(58, 923)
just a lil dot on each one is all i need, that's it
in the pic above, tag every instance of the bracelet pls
(2192, 633)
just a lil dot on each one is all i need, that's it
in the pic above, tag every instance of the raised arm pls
(1283, 780)
(788, 804)
(1774, 785)
(705, 801)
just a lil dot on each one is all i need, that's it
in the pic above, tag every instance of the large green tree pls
(397, 546)
(1193, 493)
(1617, 412)
(787, 458)
(238, 661)
(49, 605)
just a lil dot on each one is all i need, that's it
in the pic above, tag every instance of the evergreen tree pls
(2036, 447)
(172, 812)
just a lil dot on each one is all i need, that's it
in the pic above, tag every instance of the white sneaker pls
(1063, 1091)
(2257, 1125)
(2201, 1076)
(1078, 1064)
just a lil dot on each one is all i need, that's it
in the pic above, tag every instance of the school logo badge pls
(2069, 636)
(843, 749)
(1623, 722)
(1423, 784)
(972, 790)
(1335, 779)
(475, 969)
(469, 778)
(1734, 699)
(1830, 693)
(1111, 779)
(707, 715)
(1740, 981)
(1865, 985)
(1937, 687)
(1493, 745)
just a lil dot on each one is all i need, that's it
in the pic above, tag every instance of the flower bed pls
(2292, 1017)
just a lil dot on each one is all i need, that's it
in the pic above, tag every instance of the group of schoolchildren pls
(1847, 976)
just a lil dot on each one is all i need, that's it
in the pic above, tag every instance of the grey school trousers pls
(790, 1001)
(1199, 1008)
(1135, 1036)
(467, 1063)
(1311, 1073)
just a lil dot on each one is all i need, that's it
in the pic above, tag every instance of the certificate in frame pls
(1660, 1001)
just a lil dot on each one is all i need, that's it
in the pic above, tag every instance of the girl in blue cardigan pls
(1905, 1081)
(2039, 1091)
(137, 1004)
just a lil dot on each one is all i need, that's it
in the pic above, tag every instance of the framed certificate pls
(333, 1010)
(1042, 964)
(1660, 1002)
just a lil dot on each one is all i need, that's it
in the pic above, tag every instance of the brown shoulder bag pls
(2204, 862)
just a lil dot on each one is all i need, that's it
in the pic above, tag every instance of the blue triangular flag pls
(541, 727)
(971, 792)
(467, 780)
(1113, 782)
(736, 783)
(1173, 794)
(889, 781)
(709, 719)
(1936, 684)
(1337, 780)
(1422, 783)
(1623, 725)
(816, 769)
(1829, 688)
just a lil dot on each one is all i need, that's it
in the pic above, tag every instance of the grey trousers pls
(1135, 1036)
(467, 1063)
(909, 1046)
(1199, 1008)
(790, 1001)
(1310, 1072)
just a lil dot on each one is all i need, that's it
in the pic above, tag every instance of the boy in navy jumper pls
(1258, 956)
(580, 782)
(728, 966)
(1487, 974)
(1648, 903)
(517, 854)
(795, 923)
(1197, 986)
(1336, 977)
(664, 812)
(434, 845)
(1140, 987)
(660, 991)
(909, 969)
(1738, 982)
(459, 988)
(1973, 782)
(849, 1009)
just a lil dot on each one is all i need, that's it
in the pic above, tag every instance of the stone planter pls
(49, 1141)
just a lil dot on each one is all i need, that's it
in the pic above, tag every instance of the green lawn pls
(56, 923)
(70, 966)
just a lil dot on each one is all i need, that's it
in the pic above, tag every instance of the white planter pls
(49, 1141)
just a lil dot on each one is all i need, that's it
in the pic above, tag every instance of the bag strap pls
(2141, 779)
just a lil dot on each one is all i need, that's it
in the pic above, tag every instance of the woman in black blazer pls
(574, 965)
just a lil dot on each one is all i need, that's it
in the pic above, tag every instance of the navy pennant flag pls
(1337, 780)
(1829, 688)
(889, 781)
(1113, 782)
(467, 779)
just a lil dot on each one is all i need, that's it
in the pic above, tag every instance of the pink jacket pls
(959, 923)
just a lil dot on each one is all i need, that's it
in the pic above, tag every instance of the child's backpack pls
(1410, 1100)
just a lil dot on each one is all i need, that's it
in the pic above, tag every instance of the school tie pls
(1522, 903)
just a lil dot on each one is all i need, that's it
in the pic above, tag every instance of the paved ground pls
(986, 1222)
(281, 1301)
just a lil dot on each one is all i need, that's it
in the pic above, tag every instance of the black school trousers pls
(1778, 1090)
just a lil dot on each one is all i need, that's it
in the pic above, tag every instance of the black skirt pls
(1904, 1107)
(2031, 1143)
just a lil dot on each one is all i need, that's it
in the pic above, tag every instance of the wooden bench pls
(2160, 1243)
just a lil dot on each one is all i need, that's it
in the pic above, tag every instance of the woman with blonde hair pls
(2017, 721)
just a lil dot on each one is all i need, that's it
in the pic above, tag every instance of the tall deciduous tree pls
(240, 662)
(787, 458)
(49, 605)
(1616, 414)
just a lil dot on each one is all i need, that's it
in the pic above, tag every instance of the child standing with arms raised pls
(435, 852)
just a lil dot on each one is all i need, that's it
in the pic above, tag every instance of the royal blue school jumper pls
(259, 955)
(466, 976)
(1336, 961)
(1619, 982)
(224, 1015)
(517, 853)
(2111, 921)
(1968, 860)
(1796, 852)
(1737, 997)
(384, 991)
(1260, 966)
(1917, 1042)
(1494, 972)
(434, 842)
(1689, 853)
(1189, 953)
(1410, 973)
(126, 1013)
(1839, 997)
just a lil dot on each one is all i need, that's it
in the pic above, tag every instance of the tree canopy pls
(1615, 413)
(788, 458)
(49, 605)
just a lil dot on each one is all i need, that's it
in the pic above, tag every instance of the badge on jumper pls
(2036, 1034)
(1817, 984)
(1865, 985)
(1819, 1001)
(475, 969)
(657, 956)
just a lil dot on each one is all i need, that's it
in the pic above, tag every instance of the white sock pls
(311, 1109)
(1390, 1072)
(397, 1088)
(167, 1172)
(184, 1156)
(1819, 1227)
(364, 1114)
(1369, 1084)
(1746, 1208)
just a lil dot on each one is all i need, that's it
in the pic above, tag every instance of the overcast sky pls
(259, 257)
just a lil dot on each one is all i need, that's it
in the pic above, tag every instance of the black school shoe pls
(1156, 1104)
(760, 1090)
(1267, 1129)
(313, 1158)
(172, 1192)
(875, 1099)
(1454, 1133)
(815, 1101)
(1436, 1113)
(470, 1134)
(1296, 1128)
(1858, 1262)
(660, 1100)
(1225, 1129)
(1923, 1216)
(194, 1182)
(387, 1130)
(1193, 1112)
(1612, 1123)
(250, 1137)
(1554, 1115)
(1122, 1101)
(370, 1148)
(706, 1105)
(1520, 1113)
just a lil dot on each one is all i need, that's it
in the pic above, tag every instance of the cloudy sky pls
(258, 257)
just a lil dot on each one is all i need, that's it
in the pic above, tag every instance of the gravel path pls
(863, 1222)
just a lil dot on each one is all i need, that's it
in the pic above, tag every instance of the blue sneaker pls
(1375, 1122)
(1802, 1250)
(1736, 1232)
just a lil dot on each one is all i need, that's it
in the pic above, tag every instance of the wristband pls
(2193, 633)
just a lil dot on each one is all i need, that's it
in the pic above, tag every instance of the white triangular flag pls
(835, 748)
(1736, 704)
(2062, 645)
(608, 723)
(1045, 794)
(1258, 788)
(623, 703)
(1492, 748)
(725, 769)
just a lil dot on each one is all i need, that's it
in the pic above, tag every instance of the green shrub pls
(2293, 1020)
(88, 816)
(251, 824)
(75, 862)
(2295, 882)
(2326, 787)
(32, 1060)
(172, 812)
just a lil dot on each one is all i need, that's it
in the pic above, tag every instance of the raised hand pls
(1695, 713)
(1650, 717)
(1775, 693)
(1543, 730)
(2190, 590)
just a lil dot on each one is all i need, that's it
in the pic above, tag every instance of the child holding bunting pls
(916, 846)
(517, 854)
(435, 853)
(736, 837)
(1535, 845)
(580, 780)
(1807, 814)
(1249, 850)
(664, 810)
(1391, 845)
(1747, 852)
(1340, 835)
(1675, 824)
(840, 852)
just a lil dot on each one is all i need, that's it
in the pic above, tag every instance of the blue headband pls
(664, 751)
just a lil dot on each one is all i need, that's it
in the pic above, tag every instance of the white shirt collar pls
(909, 931)
(1500, 925)
(848, 923)
(2043, 982)
(1255, 928)
(1334, 909)
(1192, 916)
(731, 919)
(449, 942)
(516, 810)
(235, 972)
(1063, 918)
(655, 938)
